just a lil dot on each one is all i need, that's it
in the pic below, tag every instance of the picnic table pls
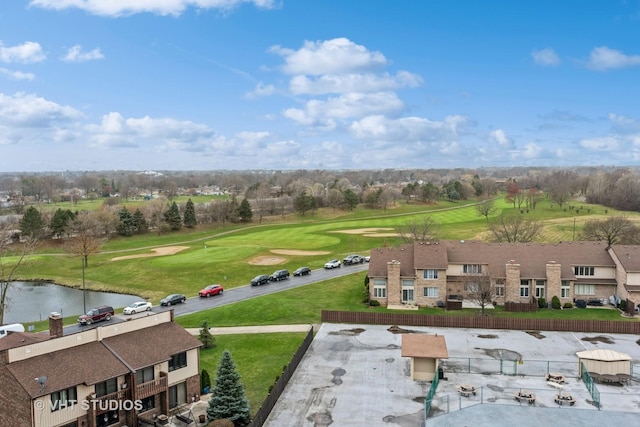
(467, 390)
(564, 398)
(555, 378)
(525, 395)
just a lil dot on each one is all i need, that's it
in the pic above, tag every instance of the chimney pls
(55, 325)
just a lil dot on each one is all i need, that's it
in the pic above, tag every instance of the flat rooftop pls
(354, 375)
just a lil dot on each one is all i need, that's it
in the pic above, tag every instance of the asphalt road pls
(229, 296)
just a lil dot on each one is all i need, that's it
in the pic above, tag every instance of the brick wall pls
(15, 403)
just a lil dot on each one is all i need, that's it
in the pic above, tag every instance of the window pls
(524, 288)
(580, 270)
(407, 295)
(63, 398)
(178, 361)
(177, 395)
(144, 375)
(148, 403)
(107, 419)
(471, 287)
(107, 387)
(380, 282)
(585, 289)
(540, 286)
(430, 274)
(565, 289)
(472, 268)
(379, 292)
(430, 292)
(406, 283)
(499, 290)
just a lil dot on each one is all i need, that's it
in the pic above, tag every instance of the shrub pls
(205, 380)
(374, 303)
(542, 303)
(567, 305)
(555, 303)
(623, 305)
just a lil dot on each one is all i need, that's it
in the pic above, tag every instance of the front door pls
(407, 296)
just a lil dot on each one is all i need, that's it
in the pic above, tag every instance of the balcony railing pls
(151, 388)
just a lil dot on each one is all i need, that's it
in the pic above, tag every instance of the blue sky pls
(317, 84)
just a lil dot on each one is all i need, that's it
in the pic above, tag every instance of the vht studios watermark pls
(93, 404)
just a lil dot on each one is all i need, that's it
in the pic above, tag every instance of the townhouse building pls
(120, 374)
(426, 274)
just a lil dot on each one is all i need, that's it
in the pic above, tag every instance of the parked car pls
(173, 299)
(595, 302)
(353, 259)
(279, 275)
(211, 290)
(261, 279)
(137, 307)
(334, 263)
(302, 271)
(367, 258)
(104, 312)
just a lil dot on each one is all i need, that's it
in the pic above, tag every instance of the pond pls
(33, 301)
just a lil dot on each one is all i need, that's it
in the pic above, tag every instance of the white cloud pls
(75, 54)
(17, 75)
(346, 106)
(545, 57)
(602, 58)
(25, 110)
(261, 89)
(342, 83)
(336, 56)
(607, 143)
(500, 136)
(158, 7)
(409, 129)
(115, 130)
(27, 52)
(530, 151)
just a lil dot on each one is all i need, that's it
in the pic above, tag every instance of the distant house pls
(426, 274)
(425, 352)
(114, 375)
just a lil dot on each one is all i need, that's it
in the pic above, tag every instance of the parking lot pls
(354, 375)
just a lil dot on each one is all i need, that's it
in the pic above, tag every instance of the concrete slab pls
(354, 375)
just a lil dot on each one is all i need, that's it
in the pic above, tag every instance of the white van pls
(14, 327)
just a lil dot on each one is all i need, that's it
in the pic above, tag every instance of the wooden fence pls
(481, 322)
(277, 389)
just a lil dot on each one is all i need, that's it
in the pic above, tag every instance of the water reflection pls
(33, 301)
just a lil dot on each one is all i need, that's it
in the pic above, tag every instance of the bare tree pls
(486, 207)
(420, 230)
(479, 289)
(85, 240)
(613, 230)
(12, 256)
(515, 229)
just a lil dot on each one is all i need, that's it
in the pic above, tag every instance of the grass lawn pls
(259, 358)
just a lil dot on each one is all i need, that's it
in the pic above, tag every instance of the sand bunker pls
(267, 260)
(296, 252)
(167, 250)
(370, 232)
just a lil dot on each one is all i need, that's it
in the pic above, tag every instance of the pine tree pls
(125, 226)
(60, 221)
(139, 222)
(172, 217)
(205, 336)
(228, 400)
(189, 215)
(244, 213)
(32, 224)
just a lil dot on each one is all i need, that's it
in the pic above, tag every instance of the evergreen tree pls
(228, 400)
(172, 217)
(205, 381)
(189, 215)
(244, 213)
(32, 224)
(205, 337)
(125, 225)
(60, 221)
(304, 203)
(140, 224)
(351, 199)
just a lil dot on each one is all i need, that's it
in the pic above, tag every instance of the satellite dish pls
(42, 381)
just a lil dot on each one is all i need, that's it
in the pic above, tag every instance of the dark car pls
(211, 290)
(261, 279)
(104, 312)
(302, 271)
(595, 302)
(279, 275)
(580, 303)
(173, 299)
(353, 259)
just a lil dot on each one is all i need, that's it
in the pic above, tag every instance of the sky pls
(94, 85)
